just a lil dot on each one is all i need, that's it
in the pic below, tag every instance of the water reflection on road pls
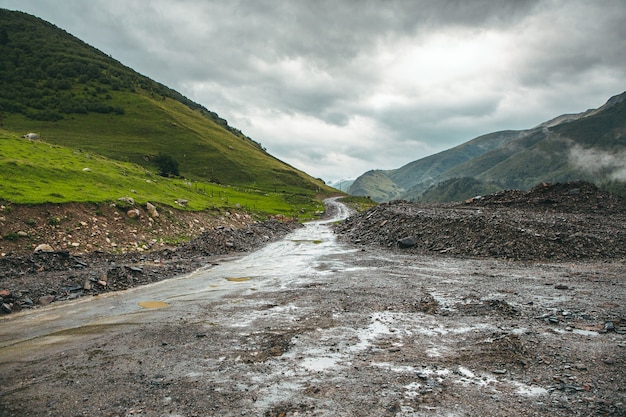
(278, 264)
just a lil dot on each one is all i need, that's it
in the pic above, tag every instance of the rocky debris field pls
(363, 332)
(33, 279)
(371, 326)
(557, 222)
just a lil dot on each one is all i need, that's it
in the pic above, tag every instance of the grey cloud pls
(262, 62)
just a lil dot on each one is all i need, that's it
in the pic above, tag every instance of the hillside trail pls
(310, 326)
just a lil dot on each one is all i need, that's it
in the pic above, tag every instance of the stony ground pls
(96, 249)
(556, 222)
(511, 304)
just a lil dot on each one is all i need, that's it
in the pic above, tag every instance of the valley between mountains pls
(347, 319)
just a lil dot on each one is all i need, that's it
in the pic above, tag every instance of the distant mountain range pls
(73, 95)
(342, 184)
(587, 146)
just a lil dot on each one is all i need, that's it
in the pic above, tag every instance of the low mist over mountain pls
(588, 146)
(73, 95)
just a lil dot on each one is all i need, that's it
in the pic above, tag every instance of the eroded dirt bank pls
(367, 329)
(32, 280)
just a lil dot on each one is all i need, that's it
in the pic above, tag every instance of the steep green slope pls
(546, 154)
(74, 95)
(412, 179)
(456, 189)
(376, 185)
(33, 172)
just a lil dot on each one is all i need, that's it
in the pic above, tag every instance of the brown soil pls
(100, 248)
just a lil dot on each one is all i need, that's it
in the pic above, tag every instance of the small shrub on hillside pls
(11, 236)
(167, 165)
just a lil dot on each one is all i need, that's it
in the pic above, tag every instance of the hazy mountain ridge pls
(584, 146)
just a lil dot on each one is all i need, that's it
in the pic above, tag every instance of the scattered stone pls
(561, 287)
(133, 213)
(7, 308)
(44, 247)
(22, 233)
(499, 371)
(46, 272)
(152, 210)
(406, 242)
(507, 225)
(182, 202)
(127, 200)
(609, 361)
(31, 136)
(46, 299)
(609, 326)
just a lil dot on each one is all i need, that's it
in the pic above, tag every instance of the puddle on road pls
(238, 279)
(153, 304)
(316, 241)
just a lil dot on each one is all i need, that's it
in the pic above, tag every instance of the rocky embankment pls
(557, 222)
(30, 278)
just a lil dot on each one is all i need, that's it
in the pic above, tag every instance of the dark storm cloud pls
(340, 87)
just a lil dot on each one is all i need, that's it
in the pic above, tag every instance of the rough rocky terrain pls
(96, 249)
(381, 325)
(559, 222)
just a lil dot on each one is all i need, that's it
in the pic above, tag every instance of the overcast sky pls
(336, 88)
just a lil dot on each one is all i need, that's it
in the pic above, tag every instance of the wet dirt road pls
(308, 326)
(296, 254)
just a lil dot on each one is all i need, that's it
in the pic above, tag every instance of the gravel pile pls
(557, 222)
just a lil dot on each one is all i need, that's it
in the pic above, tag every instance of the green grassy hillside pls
(33, 172)
(412, 179)
(376, 185)
(73, 95)
(586, 147)
(456, 189)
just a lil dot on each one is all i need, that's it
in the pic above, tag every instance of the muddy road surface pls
(309, 326)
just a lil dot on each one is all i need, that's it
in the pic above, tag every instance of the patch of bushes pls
(167, 165)
(12, 236)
